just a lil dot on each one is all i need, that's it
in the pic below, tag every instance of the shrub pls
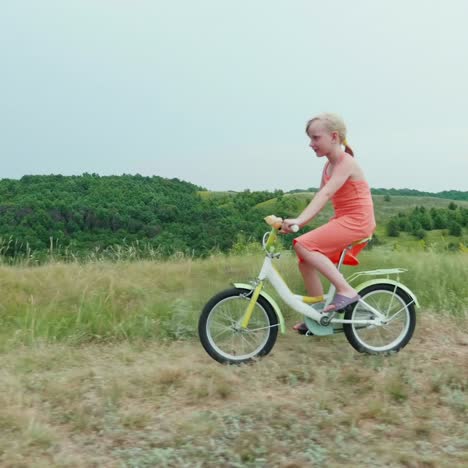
(455, 229)
(393, 228)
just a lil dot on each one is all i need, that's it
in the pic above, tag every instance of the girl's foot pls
(301, 328)
(340, 301)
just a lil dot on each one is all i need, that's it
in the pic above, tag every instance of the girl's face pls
(321, 140)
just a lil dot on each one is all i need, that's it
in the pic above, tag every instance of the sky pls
(217, 92)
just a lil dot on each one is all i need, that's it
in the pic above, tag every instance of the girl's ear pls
(335, 137)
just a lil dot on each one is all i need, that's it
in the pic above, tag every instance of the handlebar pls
(269, 239)
(276, 222)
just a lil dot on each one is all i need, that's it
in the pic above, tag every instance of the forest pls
(94, 213)
(90, 212)
(420, 220)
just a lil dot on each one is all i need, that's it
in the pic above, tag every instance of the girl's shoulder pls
(347, 159)
(350, 164)
(346, 162)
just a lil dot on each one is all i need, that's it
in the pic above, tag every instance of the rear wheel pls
(221, 334)
(398, 308)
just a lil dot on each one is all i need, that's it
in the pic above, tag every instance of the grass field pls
(100, 366)
(102, 301)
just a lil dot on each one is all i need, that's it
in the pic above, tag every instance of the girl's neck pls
(335, 155)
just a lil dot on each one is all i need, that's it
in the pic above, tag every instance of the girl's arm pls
(340, 175)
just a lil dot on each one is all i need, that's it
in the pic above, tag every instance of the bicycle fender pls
(408, 291)
(272, 302)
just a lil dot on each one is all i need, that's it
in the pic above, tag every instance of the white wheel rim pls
(395, 307)
(243, 335)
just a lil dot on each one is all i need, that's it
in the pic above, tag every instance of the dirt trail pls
(312, 401)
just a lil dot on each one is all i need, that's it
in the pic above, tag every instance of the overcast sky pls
(217, 92)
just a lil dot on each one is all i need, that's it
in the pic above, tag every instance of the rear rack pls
(382, 272)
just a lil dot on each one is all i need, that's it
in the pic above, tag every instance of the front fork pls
(248, 312)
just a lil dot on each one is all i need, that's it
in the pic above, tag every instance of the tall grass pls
(105, 301)
(15, 252)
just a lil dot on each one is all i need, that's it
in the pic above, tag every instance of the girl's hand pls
(287, 225)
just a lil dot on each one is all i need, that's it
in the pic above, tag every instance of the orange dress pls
(353, 220)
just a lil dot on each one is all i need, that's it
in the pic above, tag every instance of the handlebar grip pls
(294, 228)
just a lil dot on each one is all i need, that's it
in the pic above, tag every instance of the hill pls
(76, 216)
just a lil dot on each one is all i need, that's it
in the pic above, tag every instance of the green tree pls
(455, 229)
(393, 228)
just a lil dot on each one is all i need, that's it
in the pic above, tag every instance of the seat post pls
(342, 257)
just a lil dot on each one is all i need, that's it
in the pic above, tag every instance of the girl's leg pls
(313, 287)
(325, 266)
(311, 279)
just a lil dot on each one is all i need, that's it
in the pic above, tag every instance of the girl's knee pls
(305, 255)
(301, 251)
(296, 246)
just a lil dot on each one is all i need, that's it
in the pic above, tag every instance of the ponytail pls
(347, 148)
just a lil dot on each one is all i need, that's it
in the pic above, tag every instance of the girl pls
(343, 182)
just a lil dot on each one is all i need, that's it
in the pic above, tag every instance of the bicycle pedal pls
(326, 319)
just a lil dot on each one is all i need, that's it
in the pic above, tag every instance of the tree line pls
(91, 212)
(419, 220)
(446, 194)
(406, 192)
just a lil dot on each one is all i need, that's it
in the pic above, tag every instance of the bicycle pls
(241, 324)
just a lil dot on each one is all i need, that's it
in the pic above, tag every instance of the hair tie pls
(345, 142)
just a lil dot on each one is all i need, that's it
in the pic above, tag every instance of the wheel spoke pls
(251, 330)
(254, 337)
(228, 318)
(390, 303)
(221, 333)
(244, 341)
(397, 313)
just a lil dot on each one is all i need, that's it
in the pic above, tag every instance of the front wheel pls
(223, 337)
(398, 308)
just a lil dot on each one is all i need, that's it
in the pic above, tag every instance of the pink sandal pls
(340, 302)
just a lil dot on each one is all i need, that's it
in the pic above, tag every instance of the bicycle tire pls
(364, 338)
(230, 305)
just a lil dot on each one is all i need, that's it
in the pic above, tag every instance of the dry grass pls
(313, 401)
(100, 366)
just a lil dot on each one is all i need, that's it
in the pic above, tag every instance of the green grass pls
(207, 194)
(101, 302)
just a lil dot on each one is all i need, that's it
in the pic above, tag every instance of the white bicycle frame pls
(314, 310)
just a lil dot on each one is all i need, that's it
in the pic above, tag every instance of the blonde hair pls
(333, 123)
